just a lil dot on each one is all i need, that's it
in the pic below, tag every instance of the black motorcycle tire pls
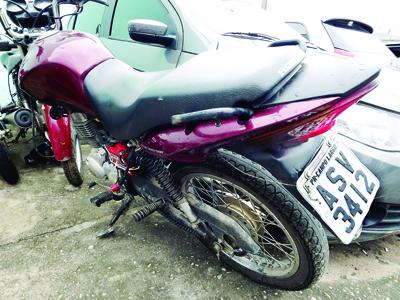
(305, 230)
(73, 168)
(7, 168)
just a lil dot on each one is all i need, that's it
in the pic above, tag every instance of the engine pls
(100, 167)
(85, 128)
(98, 160)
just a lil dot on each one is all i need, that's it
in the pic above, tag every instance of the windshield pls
(222, 17)
(356, 41)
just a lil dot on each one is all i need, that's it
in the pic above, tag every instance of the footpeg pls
(147, 210)
(111, 194)
(102, 198)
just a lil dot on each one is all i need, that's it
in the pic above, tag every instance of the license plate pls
(339, 188)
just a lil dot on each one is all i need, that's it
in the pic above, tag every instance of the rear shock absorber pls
(155, 166)
(157, 169)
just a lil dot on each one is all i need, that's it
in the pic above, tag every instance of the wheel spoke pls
(260, 222)
(266, 254)
(278, 245)
(205, 190)
(213, 194)
(274, 242)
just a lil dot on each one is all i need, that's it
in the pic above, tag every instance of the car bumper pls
(384, 215)
(385, 165)
(287, 164)
(388, 225)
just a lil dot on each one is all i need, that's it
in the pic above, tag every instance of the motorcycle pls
(7, 168)
(8, 171)
(52, 138)
(163, 133)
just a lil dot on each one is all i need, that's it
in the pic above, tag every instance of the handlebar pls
(18, 36)
(7, 46)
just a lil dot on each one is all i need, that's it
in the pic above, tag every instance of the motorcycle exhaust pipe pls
(22, 117)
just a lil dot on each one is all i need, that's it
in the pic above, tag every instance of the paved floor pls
(48, 250)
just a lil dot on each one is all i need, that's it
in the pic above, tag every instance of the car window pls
(67, 21)
(219, 17)
(127, 10)
(90, 18)
(356, 41)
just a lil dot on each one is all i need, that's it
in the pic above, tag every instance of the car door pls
(141, 56)
(89, 19)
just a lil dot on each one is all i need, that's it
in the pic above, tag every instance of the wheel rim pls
(279, 255)
(78, 154)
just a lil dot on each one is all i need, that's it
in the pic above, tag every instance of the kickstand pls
(118, 213)
(21, 133)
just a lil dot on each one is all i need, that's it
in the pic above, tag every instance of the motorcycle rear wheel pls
(7, 168)
(293, 243)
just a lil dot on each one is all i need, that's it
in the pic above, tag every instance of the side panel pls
(55, 67)
(180, 144)
(290, 122)
(60, 135)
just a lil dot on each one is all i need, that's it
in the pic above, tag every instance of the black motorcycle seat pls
(325, 75)
(129, 102)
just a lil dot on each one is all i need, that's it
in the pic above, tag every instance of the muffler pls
(22, 117)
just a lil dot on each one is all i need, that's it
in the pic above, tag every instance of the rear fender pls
(285, 163)
(60, 135)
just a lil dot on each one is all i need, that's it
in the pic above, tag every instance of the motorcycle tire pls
(7, 168)
(73, 168)
(294, 247)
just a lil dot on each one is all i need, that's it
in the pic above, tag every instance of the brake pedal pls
(147, 210)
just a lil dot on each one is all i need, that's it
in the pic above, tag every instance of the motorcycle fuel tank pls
(56, 65)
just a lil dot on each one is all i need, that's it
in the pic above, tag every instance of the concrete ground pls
(48, 250)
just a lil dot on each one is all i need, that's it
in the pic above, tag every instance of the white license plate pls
(339, 187)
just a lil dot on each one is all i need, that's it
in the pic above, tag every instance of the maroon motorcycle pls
(53, 138)
(164, 133)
